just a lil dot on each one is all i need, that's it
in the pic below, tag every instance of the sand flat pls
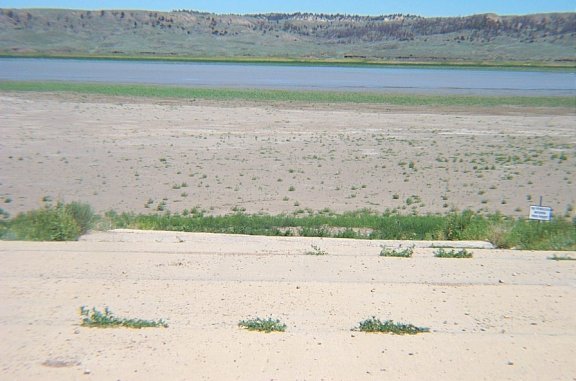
(147, 155)
(500, 315)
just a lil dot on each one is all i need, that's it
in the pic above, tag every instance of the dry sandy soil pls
(502, 315)
(142, 155)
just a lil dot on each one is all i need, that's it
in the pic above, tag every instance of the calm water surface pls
(380, 79)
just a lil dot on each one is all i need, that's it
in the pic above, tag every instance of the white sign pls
(540, 213)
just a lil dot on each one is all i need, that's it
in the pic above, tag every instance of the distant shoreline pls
(361, 62)
(274, 95)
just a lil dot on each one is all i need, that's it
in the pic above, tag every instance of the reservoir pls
(466, 81)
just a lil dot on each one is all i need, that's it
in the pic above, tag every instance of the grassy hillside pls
(543, 39)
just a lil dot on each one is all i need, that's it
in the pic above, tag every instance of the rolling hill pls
(541, 38)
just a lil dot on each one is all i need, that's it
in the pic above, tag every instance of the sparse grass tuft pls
(374, 325)
(96, 319)
(443, 253)
(263, 325)
(399, 252)
(316, 251)
(4, 215)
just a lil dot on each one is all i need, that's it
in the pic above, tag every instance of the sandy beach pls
(501, 315)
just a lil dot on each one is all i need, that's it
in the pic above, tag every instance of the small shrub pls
(82, 214)
(57, 223)
(498, 234)
(161, 206)
(374, 325)
(97, 319)
(401, 253)
(263, 325)
(443, 253)
(456, 224)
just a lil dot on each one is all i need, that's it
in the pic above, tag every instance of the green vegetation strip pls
(62, 222)
(503, 232)
(262, 95)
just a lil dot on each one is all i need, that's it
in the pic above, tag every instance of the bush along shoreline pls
(59, 222)
(67, 222)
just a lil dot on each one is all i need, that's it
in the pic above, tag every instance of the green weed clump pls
(374, 325)
(463, 226)
(443, 253)
(263, 325)
(96, 319)
(561, 258)
(316, 250)
(61, 222)
(400, 253)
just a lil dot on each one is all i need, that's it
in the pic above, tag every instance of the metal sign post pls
(540, 213)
